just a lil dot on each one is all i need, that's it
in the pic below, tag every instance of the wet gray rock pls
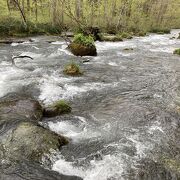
(14, 106)
(30, 171)
(29, 141)
(22, 140)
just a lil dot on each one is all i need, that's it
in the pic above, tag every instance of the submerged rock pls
(82, 50)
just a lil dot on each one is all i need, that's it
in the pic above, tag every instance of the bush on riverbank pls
(160, 30)
(13, 27)
(177, 51)
(72, 69)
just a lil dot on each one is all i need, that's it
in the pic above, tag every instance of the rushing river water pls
(125, 122)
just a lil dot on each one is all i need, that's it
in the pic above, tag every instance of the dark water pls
(125, 122)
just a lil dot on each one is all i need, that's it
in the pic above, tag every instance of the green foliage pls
(62, 106)
(14, 27)
(125, 35)
(177, 51)
(160, 30)
(84, 40)
(72, 69)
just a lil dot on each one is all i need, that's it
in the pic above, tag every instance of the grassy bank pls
(13, 27)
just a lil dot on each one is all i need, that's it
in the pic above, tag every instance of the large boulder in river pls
(23, 141)
(29, 141)
(82, 50)
(20, 107)
(83, 45)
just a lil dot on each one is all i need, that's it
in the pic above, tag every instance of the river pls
(125, 121)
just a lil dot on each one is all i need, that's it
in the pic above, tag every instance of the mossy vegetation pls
(85, 40)
(13, 27)
(62, 106)
(177, 51)
(160, 30)
(83, 45)
(72, 69)
(126, 35)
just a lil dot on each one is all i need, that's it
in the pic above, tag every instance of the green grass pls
(14, 27)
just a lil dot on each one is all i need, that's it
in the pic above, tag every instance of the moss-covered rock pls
(125, 35)
(83, 45)
(58, 108)
(177, 51)
(30, 141)
(112, 38)
(82, 50)
(141, 34)
(72, 69)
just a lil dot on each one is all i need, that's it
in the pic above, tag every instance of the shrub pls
(14, 27)
(72, 69)
(84, 40)
(177, 51)
(160, 30)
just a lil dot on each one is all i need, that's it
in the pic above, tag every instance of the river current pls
(125, 121)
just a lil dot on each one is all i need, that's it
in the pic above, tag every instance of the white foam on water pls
(58, 43)
(15, 44)
(110, 166)
(65, 50)
(7, 82)
(162, 49)
(75, 131)
(60, 88)
(113, 64)
(102, 46)
(155, 127)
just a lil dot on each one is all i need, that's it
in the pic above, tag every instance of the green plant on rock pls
(72, 69)
(84, 40)
(62, 106)
(125, 35)
(177, 51)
